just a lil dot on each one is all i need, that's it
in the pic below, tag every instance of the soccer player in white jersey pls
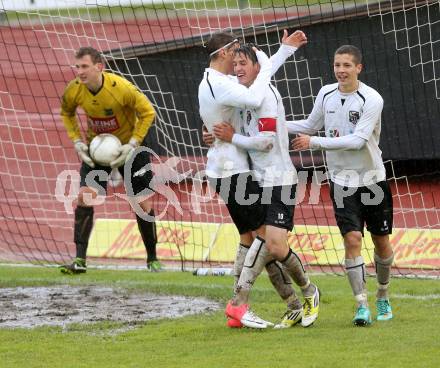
(350, 113)
(227, 166)
(277, 178)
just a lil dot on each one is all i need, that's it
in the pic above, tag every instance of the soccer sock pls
(82, 229)
(383, 271)
(281, 281)
(149, 237)
(256, 258)
(295, 269)
(239, 261)
(356, 276)
(293, 302)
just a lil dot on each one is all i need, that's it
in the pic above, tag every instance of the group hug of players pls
(245, 128)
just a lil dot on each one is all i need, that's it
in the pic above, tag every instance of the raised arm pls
(237, 95)
(289, 44)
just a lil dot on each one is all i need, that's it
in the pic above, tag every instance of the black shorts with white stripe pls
(241, 194)
(353, 211)
(280, 205)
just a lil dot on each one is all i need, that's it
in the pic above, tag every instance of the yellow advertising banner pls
(316, 245)
(112, 238)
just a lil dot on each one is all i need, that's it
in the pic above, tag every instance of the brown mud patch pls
(28, 307)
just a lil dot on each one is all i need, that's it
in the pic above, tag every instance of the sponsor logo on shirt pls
(332, 133)
(330, 112)
(354, 116)
(103, 125)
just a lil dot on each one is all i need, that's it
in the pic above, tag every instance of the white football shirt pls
(219, 95)
(345, 115)
(273, 167)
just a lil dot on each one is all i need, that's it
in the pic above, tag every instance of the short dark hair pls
(247, 50)
(95, 55)
(351, 50)
(217, 41)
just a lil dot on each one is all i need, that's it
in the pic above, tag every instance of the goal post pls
(159, 46)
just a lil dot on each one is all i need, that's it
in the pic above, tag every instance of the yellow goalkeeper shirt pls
(118, 108)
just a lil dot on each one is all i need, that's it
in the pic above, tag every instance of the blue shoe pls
(362, 316)
(384, 312)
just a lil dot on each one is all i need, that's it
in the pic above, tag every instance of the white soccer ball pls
(104, 148)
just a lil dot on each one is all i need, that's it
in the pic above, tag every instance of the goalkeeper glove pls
(83, 153)
(125, 152)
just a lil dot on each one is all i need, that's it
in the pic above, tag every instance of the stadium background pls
(162, 53)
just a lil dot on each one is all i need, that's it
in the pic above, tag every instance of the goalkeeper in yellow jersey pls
(112, 105)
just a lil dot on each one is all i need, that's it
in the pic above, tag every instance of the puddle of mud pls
(28, 307)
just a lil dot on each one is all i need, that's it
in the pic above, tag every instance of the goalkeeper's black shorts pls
(137, 183)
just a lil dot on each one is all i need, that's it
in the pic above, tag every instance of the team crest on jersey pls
(353, 117)
(108, 112)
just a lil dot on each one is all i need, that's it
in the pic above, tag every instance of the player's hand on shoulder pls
(83, 152)
(296, 39)
(125, 152)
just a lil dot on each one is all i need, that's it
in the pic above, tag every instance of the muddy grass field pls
(133, 319)
(62, 305)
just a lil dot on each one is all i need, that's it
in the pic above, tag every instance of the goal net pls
(159, 46)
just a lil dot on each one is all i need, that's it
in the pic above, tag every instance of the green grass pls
(410, 340)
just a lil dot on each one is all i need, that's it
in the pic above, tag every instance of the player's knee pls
(381, 242)
(275, 246)
(353, 240)
(246, 238)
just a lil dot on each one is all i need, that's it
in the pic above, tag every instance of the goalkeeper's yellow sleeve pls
(68, 113)
(144, 112)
